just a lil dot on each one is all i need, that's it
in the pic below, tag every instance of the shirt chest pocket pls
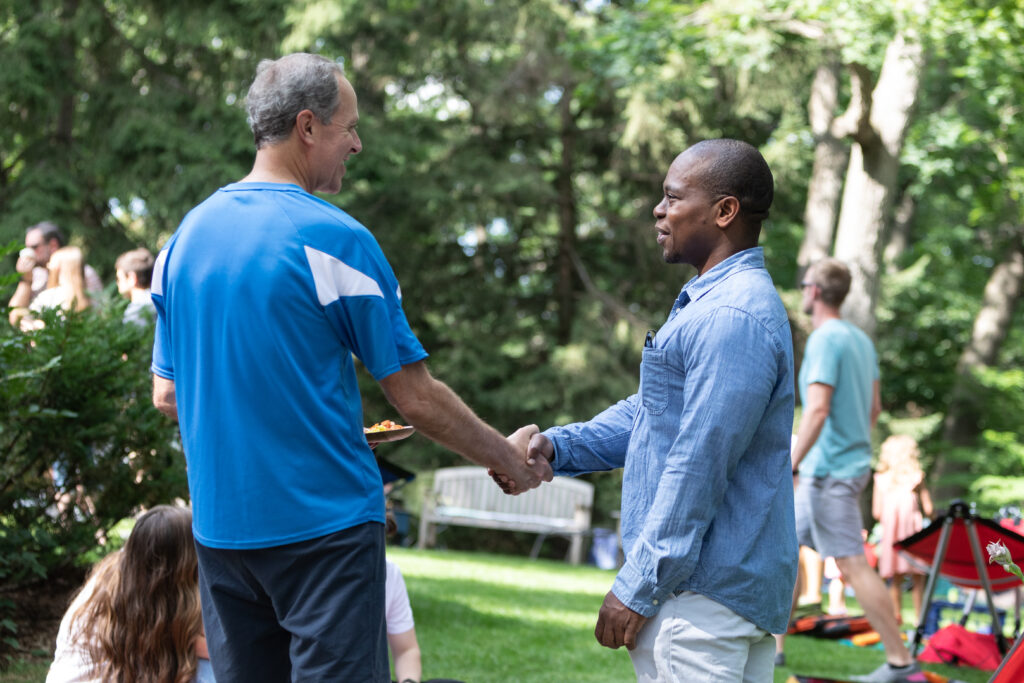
(655, 384)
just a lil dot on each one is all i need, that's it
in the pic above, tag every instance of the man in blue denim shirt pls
(707, 493)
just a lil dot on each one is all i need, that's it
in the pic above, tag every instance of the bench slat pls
(466, 496)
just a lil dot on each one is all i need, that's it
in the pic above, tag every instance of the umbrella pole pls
(997, 625)
(1006, 660)
(933, 575)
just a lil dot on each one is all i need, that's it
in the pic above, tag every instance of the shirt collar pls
(700, 285)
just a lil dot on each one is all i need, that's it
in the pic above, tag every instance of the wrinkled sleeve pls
(730, 363)
(597, 445)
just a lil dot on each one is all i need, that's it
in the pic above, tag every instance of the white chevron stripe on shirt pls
(335, 279)
(157, 280)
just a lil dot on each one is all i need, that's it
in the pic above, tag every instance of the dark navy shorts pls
(307, 611)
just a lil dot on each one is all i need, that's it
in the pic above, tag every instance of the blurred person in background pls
(402, 642)
(42, 240)
(65, 289)
(134, 272)
(839, 391)
(900, 498)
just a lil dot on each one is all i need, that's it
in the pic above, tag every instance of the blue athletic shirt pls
(263, 295)
(840, 355)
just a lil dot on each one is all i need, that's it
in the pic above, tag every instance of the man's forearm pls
(807, 434)
(443, 417)
(22, 294)
(20, 301)
(164, 397)
(440, 415)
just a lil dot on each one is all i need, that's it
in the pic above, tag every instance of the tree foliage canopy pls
(513, 154)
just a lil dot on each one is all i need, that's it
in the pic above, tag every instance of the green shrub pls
(81, 446)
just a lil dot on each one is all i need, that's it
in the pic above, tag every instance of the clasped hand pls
(535, 452)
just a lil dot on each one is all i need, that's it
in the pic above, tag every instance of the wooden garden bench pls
(466, 496)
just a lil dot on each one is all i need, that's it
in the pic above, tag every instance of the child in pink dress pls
(899, 486)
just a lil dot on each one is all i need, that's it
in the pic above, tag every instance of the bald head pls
(731, 168)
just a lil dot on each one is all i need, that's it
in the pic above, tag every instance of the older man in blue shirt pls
(707, 518)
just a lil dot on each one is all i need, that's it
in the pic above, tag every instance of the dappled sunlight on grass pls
(503, 570)
(482, 617)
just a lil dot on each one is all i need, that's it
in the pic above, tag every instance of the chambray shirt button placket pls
(679, 304)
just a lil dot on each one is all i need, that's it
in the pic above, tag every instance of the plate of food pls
(387, 430)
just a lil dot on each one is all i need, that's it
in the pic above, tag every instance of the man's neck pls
(140, 296)
(822, 314)
(273, 164)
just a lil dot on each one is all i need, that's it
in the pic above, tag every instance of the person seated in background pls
(42, 240)
(65, 289)
(405, 649)
(138, 618)
(134, 273)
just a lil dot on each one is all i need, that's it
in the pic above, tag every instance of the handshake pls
(528, 463)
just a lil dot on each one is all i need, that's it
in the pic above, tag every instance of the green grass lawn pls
(483, 618)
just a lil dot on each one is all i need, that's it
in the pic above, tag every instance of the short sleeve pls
(362, 301)
(398, 614)
(162, 366)
(821, 362)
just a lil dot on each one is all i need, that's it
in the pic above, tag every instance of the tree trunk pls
(962, 425)
(830, 158)
(872, 175)
(567, 219)
(899, 237)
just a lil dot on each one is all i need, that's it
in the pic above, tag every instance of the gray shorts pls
(828, 516)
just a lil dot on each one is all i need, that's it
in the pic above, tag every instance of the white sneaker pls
(887, 673)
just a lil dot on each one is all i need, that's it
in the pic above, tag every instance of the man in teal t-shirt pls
(839, 393)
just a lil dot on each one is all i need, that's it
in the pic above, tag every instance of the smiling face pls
(337, 141)
(686, 215)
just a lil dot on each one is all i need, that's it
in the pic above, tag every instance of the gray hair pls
(48, 230)
(284, 87)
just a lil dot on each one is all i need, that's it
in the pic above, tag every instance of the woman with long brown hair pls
(138, 619)
(64, 290)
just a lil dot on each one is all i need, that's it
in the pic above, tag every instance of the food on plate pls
(383, 426)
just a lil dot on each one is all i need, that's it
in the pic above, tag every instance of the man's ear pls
(726, 211)
(133, 279)
(304, 125)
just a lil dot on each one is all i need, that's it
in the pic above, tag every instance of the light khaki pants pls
(693, 639)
